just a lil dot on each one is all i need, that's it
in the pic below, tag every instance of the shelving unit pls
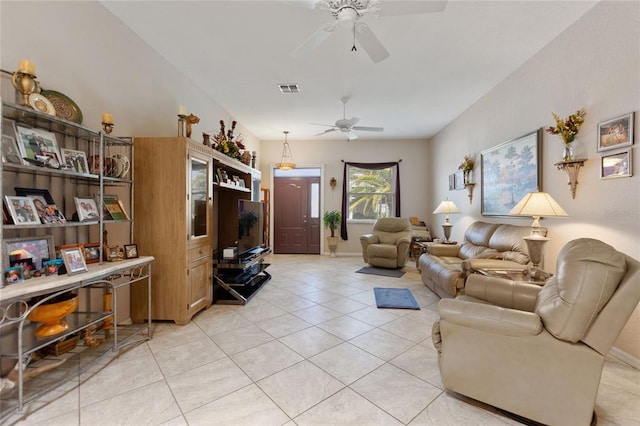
(238, 280)
(17, 339)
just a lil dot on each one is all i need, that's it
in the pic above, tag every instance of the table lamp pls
(446, 207)
(537, 205)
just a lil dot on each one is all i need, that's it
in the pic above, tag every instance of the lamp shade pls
(537, 204)
(446, 207)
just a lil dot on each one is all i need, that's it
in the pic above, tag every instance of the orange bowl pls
(51, 315)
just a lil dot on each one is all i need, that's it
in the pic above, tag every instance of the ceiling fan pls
(347, 125)
(349, 12)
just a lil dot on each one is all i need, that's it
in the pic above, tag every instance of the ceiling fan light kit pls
(347, 125)
(286, 163)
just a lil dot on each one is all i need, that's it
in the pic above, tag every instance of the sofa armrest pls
(489, 318)
(369, 239)
(503, 292)
(450, 250)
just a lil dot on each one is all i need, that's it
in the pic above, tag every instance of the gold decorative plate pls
(42, 104)
(65, 107)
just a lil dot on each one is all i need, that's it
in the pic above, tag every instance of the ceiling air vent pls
(289, 88)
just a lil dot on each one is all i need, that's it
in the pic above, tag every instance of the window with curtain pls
(371, 191)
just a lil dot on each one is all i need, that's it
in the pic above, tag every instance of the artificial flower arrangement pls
(225, 143)
(569, 127)
(467, 164)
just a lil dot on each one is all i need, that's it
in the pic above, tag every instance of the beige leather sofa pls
(486, 245)
(388, 245)
(537, 351)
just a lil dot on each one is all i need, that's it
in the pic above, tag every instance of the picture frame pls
(459, 180)
(241, 183)
(13, 275)
(73, 260)
(509, 171)
(452, 181)
(114, 208)
(616, 132)
(10, 151)
(75, 160)
(28, 192)
(38, 249)
(130, 251)
(616, 164)
(22, 210)
(34, 141)
(112, 253)
(86, 209)
(51, 267)
(91, 252)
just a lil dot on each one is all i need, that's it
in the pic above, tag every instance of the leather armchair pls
(536, 351)
(388, 245)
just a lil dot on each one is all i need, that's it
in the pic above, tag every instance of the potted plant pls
(331, 220)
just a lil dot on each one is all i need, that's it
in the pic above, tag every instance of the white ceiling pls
(439, 64)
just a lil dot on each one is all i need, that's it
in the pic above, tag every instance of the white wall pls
(328, 153)
(83, 51)
(594, 64)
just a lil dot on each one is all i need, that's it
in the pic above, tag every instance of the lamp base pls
(535, 245)
(446, 227)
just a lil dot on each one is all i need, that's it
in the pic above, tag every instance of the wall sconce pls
(333, 182)
(470, 187)
(572, 168)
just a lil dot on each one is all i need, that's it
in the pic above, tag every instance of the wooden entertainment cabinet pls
(187, 214)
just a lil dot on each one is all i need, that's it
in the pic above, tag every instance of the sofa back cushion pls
(587, 275)
(476, 239)
(510, 238)
(390, 229)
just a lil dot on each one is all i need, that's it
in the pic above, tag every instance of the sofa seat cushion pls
(474, 265)
(382, 250)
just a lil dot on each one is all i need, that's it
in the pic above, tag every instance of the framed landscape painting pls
(509, 172)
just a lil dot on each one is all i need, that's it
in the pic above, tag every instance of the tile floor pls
(310, 348)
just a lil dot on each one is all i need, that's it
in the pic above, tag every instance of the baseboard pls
(625, 357)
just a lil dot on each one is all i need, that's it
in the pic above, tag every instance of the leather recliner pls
(536, 351)
(388, 245)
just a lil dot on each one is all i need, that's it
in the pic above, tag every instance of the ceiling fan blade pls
(320, 124)
(326, 131)
(314, 39)
(368, 129)
(307, 4)
(402, 7)
(352, 135)
(370, 42)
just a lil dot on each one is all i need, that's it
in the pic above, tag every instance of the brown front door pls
(296, 220)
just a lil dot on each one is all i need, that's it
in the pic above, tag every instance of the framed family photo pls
(73, 260)
(87, 209)
(36, 143)
(10, 152)
(615, 133)
(22, 210)
(38, 249)
(75, 160)
(509, 172)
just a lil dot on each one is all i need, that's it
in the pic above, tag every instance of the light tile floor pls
(310, 348)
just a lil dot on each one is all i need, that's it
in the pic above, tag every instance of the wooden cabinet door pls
(199, 284)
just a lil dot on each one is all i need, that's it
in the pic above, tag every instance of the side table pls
(539, 278)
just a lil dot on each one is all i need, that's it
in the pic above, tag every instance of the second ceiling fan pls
(349, 12)
(347, 126)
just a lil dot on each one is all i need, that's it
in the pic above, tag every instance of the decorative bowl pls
(51, 315)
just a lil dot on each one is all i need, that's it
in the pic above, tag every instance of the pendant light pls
(287, 159)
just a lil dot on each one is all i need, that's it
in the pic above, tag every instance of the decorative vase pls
(332, 243)
(51, 315)
(567, 152)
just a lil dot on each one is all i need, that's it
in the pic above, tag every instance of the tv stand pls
(237, 280)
